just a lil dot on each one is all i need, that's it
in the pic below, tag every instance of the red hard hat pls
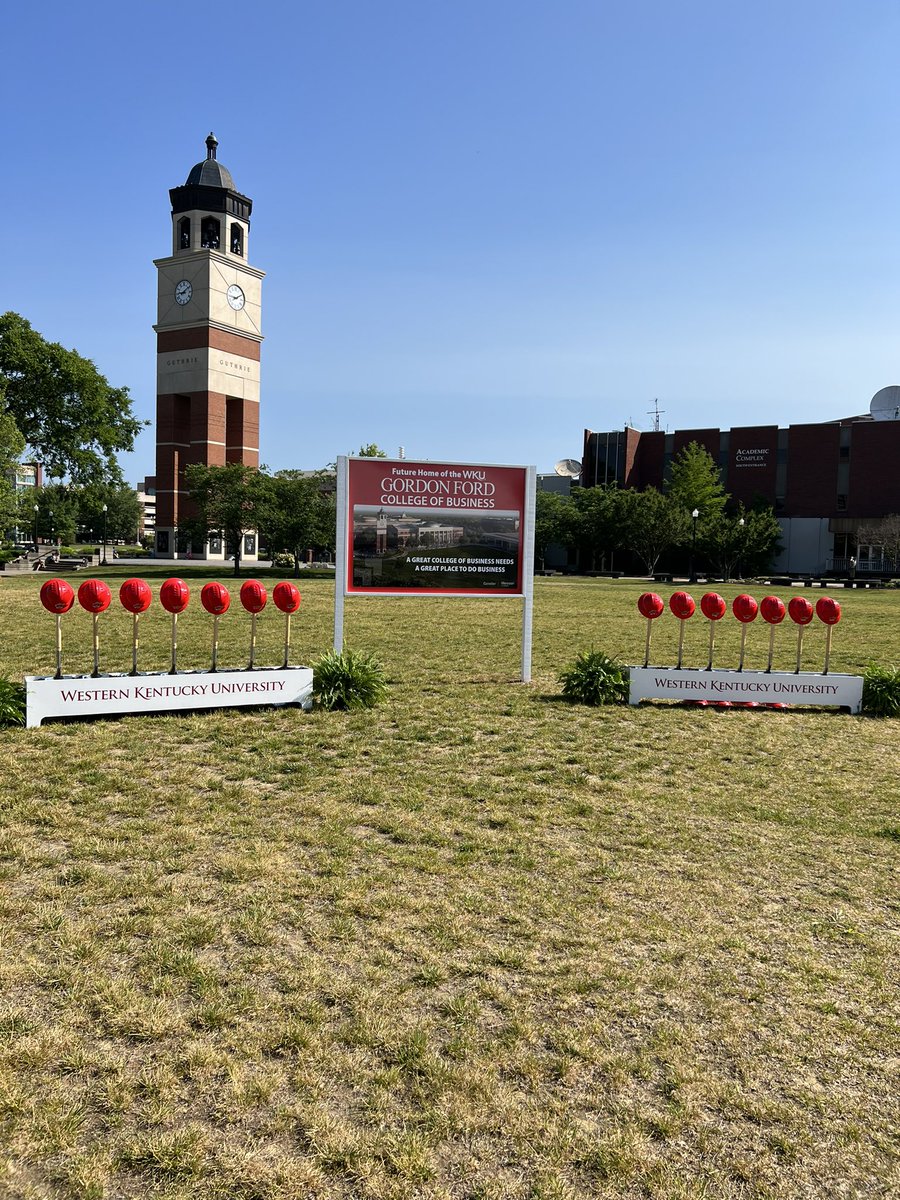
(215, 598)
(682, 605)
(650, 605)
(135, 595)
(772, 610)
(800, 610)
(253, 596)
(94, 595)
(57, 596)
(744, 608)
(174, 595)
(713, 606)
(828, 610)
(286, 597)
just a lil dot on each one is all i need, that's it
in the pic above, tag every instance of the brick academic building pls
(824, 481)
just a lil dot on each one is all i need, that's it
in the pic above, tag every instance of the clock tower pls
(208, 336)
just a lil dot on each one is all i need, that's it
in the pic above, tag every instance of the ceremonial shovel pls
(216, 600)
(801, 613)
(713, 608)
(95, 597)
(57, 597)
(287, 599)
(174, 596)
(650, 606)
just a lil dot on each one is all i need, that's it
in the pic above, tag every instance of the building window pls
(841, 502)
(237, 239)
(184, 233)
(249, 543)
(209, 233)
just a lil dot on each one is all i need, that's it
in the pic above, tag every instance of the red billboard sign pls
(437, 528)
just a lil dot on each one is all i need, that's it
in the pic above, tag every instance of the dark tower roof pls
(210, 172)
(210, 186)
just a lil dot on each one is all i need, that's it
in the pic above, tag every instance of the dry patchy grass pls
(476, 944)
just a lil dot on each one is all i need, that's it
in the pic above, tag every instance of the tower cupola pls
(208, 212)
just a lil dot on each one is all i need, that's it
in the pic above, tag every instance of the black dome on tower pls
(210, 187)
(210, 172)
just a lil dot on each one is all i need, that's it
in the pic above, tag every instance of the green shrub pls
(12, 702)
(283, 561)
(595, 678)
(881, 691)
(348, 680)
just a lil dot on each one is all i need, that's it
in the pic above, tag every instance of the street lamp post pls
(692, 578)
(740, 547)
(52, 538)
(104, 534)
(35, 528)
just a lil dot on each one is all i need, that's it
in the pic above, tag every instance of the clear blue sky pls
(486, 224)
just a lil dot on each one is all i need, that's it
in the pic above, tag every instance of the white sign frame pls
(741, 687)
(342, 555)
(155, 692)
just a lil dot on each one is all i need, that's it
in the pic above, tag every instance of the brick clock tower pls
(208, 336)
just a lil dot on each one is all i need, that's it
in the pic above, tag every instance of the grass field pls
(477, 943)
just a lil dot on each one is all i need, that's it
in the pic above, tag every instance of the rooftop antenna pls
(655, 415)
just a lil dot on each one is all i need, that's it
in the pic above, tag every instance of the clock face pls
(235, 297)
(183, 291)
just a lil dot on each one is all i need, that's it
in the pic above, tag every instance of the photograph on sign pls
(443, 528)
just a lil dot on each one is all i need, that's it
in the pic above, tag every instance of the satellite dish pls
(571, 467)
(885, 404)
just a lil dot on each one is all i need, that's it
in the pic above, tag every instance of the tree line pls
(291, 511)
(608, 524)
(56, 404)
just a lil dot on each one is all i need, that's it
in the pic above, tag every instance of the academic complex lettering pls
(754, 457)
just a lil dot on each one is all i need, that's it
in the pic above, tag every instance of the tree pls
(598, 529)
(884, 533)
(371, 451)
(57, 513)
(695, 482)
(762, 540)
(123, 511)
(550, 522)
(653, 523)
(65, 410)
(743, 542)
(11, 446)
(302, 513)
(232, 500)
